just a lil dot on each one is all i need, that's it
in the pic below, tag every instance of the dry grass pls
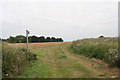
(36, 45)
(15, 59)
(105, 49)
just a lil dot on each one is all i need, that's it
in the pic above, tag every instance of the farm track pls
(55, 60)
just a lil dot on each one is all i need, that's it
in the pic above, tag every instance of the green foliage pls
(20, 39)
(105, 49)
(37, 69)
(15, 60)
(32, 39)
(62, 57)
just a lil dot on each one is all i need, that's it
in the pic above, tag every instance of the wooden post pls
(27, 41)
(27, 32)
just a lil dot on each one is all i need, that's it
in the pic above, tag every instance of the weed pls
(62, 57)
(14, 60)
(105, 49)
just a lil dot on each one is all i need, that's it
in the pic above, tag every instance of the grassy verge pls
(15, 60)
(105, 49)
(37, 69)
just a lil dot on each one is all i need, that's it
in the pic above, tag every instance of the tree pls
(4, 40)
(42, 39)
(59, 40)
(30, 39)
(12, 39)
(34, 39)
(101, 36)
(48, 39)
(20, 39)
(53, 39)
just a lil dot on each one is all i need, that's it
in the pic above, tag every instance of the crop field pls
(78, 59)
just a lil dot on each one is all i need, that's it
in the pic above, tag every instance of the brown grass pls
(36, 45)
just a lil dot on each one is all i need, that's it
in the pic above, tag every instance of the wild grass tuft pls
(105, 49)
(15, 60)
(62, 57)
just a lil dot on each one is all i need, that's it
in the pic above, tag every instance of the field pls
(59, 60)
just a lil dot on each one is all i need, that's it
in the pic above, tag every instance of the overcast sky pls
(68, 19)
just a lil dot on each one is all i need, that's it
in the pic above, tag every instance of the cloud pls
(61, 19)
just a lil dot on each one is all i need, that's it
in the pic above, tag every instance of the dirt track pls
(56, 61)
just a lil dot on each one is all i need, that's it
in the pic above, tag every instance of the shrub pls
(101, 48)
(101, 36)
(113, 57)
(15, 60)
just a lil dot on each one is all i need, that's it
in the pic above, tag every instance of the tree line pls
(32, 39)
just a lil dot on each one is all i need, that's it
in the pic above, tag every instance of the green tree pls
(20, 39)
(59, 40)
(34, 39)
(48, 39)
(12, 39)
(42, 39)
(53, 39)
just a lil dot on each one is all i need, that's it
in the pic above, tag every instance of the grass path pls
(57, 61)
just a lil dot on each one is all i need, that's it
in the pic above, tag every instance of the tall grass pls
(105, 49)
(15, 60)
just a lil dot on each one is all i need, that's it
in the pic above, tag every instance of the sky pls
(68, 19)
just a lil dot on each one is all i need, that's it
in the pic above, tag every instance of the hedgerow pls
(14, 60)
(105, 49)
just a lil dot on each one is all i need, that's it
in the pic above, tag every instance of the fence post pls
(27, 32)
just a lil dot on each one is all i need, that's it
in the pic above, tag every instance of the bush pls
(101, 48)
(15, 60)
(113, 57)
(101, 36)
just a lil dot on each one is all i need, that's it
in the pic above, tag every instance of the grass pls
(61, 57)
(14, 60)
(56, 61)
(105, 49)
(37, 68)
